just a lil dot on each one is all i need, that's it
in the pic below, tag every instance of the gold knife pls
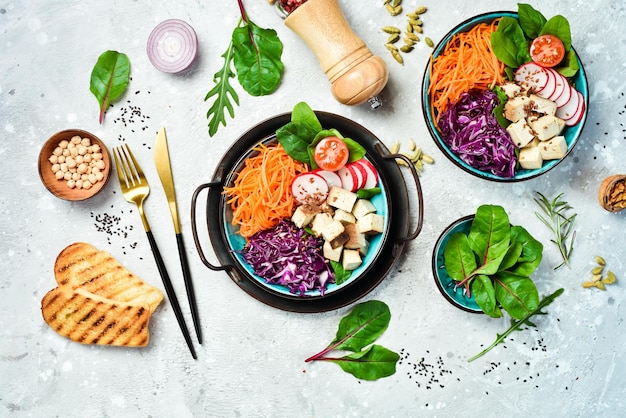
(164, 168)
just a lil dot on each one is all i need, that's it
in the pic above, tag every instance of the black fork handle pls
(171, 295)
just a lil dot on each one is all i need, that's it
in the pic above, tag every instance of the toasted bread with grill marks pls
(81, 265)
(88, 318)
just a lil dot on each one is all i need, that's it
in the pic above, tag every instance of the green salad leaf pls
(109, 78)
(356, 333)
(223, 92)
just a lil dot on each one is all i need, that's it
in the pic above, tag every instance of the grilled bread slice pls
(91, 319)
(81, 265)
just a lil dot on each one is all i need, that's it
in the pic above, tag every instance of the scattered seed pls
(428, 159)
(395, 147)
(420, 10)
(391, 47)
(391, 29)
(413, 16)
(429, 42)
(415, 22)
(412, 145)
(597, 270)
(600, 285)
(396, 3)
(600, 261)
(393, 38)
(610, 278)
(596, 277)
(409, 28)
(396, 55)
(413, 37)
(418, 29)
(587, 285)
(409, 42)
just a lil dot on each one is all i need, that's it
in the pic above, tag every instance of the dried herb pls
(357, 332)
(517, 323)
(256, 55)
(109, 78)
(560, 222)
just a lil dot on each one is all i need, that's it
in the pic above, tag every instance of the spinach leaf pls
(368, 193)
(485, 296)
(503, 44)
(517, 323)
(257, 58)
(559, 27)
(303, 114)
(512, 255)
(360, 328)
(489, 237)
(531, 254)
(570, 67)
(516, 294)
(530, 19)
(356, 150)
(295, 138)
(222, 90)
(459, 258)
(498, 111)
(371, 364)
(341, 274)
(109, 78)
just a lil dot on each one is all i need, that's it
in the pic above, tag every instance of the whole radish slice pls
(568, 109)
(578, 114)
(550, 87)
(309, 188)
(533, 75)
(331, 177)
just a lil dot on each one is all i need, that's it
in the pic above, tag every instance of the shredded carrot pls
(466, 63)
(261, 193)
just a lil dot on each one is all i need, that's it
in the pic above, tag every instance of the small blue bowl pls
(571, 133)
(447, 285)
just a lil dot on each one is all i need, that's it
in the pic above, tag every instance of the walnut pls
(612, 194)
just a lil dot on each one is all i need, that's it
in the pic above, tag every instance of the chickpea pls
(74, 152)
(87, 158)
(87, 185)
(71, 163)
(59, 175)
(100, 164)
(57, 151)
(67, 176)
(79, 159)
(66, 152)
(82, 168)
(63, 144)
(85, 142)
(97, 156)
(79, 184)
(56, 167)
(82, 150)
(61, 159)
(54, 159)
(71, 184)
(75, 176)
(99, 176)
(92, 178)
(64, 167)
(76, 139)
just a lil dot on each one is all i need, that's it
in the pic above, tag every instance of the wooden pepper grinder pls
(356, 75)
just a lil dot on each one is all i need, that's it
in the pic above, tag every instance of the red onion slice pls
(172, 46)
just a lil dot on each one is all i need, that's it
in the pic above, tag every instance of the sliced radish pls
(533, 75)
(578, 114)
(309, 188)
(348, 181)
(569, 108)
(561, 85)
(331, 177)
(371, 178)
(550, 87)
(361, 172)
(565, 96)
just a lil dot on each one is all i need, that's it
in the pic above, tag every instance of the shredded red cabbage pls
(472, 132)
(289, 256)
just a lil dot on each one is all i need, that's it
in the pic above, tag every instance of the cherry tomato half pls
(547, 50)
(331, 153)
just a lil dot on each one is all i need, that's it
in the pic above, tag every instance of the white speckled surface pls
(251, 363)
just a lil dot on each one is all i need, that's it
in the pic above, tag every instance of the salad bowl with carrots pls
(505, 94)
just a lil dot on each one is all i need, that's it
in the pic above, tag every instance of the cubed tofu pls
(530, 158)
(520, 132)
(554, 148)
(364, 249)
(331, 253)
(335, 234)
(304, 214)
(371, 224)
(341, 198)
(541, 105)
(362, 207)
(547, 127)
(351, 259)
(356, 239)
(344, 217)
(319, 223)
(516, 108)
(511, 89)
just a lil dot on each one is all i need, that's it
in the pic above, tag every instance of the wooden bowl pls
(60, 188)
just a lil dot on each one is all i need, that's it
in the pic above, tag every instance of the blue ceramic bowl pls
(571, 133)
(447, 285)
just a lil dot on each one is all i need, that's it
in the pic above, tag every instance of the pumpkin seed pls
(420, 10)
(390, 29)
(588, 285)
(597, 270)
(411, 145)
(600, 286)
(428, 159)
(429, 42)
(610, 278)
(600, 261)
(393, 38)
(395, 148)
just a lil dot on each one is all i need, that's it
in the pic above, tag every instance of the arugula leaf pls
(371, 364)
(360, 328)
(109, 78)
(222, 90)
(516, 324)
(530, 19)
(257, 58)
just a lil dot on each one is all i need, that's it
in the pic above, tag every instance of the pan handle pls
(196, 240)
(420, 196)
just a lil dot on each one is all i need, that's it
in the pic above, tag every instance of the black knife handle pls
(171, 295)
(191, 295)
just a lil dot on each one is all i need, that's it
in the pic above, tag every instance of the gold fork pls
(135, 189)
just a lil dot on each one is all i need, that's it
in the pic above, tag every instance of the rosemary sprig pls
(560, 222)
(517, 323)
